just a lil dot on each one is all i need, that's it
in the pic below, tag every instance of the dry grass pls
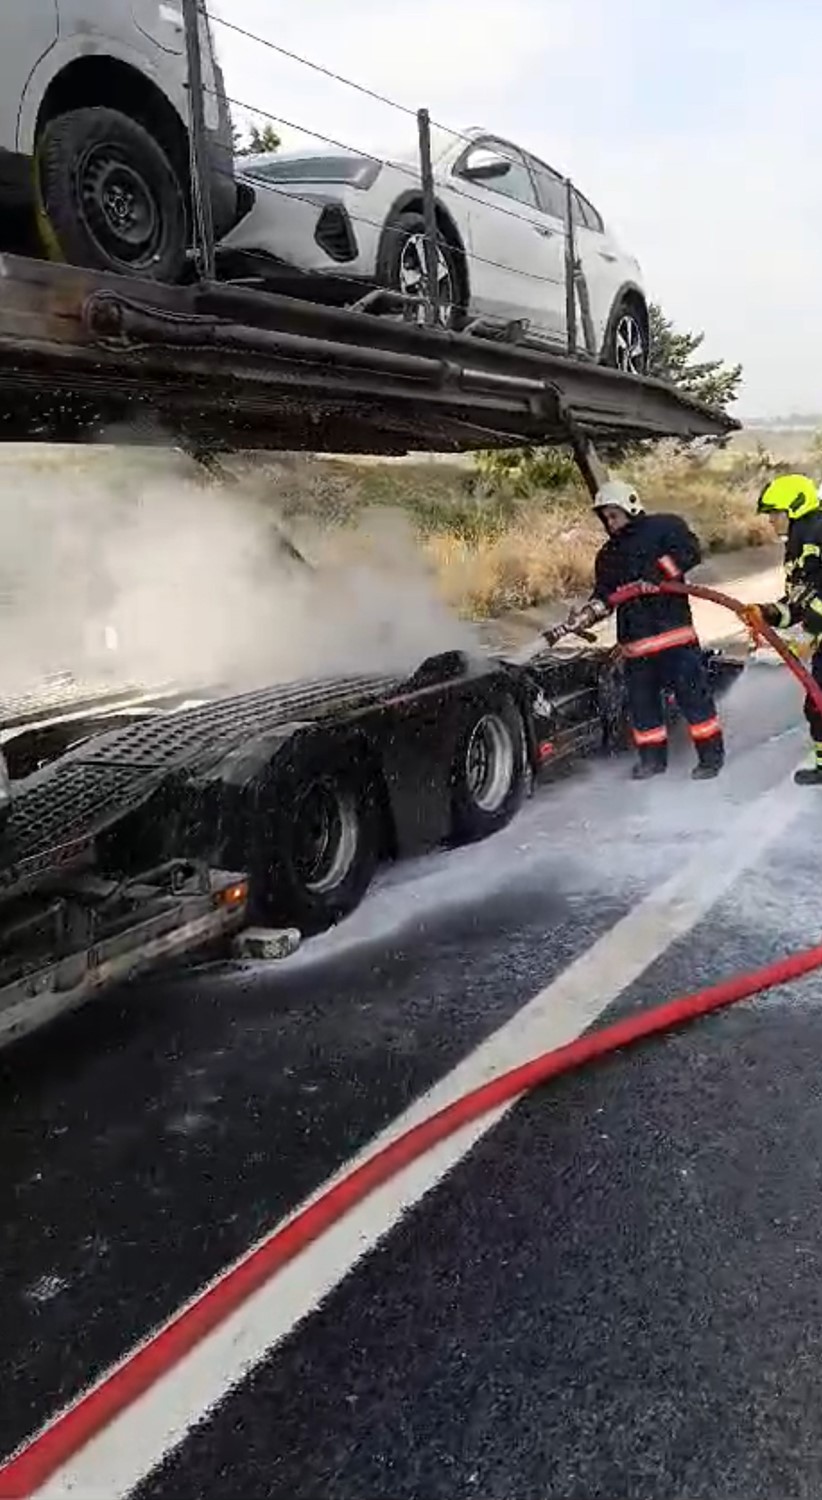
(493, 550)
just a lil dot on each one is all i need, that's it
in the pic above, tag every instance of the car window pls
(516, 183)
(586, 214)
(551, 190)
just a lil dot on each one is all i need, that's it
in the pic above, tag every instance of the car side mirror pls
(485, 166)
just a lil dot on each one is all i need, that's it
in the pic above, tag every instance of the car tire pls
(315, 844)
(488, 772)
(627, 341)
(402, 268)
(108, 198)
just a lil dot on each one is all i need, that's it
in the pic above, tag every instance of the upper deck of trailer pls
(223, 365)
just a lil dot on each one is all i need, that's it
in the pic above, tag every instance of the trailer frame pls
(218, 367)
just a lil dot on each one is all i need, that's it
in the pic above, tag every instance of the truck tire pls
(316, 845)
(488, 774)
(108, 198)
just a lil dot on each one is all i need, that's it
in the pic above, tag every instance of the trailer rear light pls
(545, 750)
(233, 895)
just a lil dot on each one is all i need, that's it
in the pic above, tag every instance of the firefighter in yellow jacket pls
(793, 502)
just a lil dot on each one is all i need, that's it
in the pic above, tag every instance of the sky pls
(693, 125)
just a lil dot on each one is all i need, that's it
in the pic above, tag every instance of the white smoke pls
(193, 582)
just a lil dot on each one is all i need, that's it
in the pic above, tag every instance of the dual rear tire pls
(319, 831)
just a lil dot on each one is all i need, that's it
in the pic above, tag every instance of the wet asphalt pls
(616, 1294)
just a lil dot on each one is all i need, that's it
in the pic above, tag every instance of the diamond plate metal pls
(199, 735)
(102, 780)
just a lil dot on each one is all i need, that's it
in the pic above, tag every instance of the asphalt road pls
(615, 1292)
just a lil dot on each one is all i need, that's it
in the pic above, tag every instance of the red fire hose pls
(765, 631)
(40, 1458)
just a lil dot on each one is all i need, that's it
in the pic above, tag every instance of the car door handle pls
(544, 230)
(608, 255)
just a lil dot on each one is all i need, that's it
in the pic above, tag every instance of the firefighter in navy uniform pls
(793, 503)
(656, 632)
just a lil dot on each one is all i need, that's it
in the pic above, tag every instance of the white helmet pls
(617, 492)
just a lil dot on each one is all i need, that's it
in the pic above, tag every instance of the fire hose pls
(756, 627)
(57, 1443)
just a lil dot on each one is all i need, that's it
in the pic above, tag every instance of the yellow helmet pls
(793, 494)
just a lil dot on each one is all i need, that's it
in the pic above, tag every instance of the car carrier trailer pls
(138, 830)
(167, 835)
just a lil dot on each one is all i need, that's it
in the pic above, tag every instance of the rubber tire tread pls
(62, 231)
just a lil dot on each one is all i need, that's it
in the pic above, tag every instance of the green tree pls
(710, 381)
(260, 138)
(525, 471)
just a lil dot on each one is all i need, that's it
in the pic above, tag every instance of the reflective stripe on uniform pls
(685, 635)
(796, 564)
(668, 566)
(706, 730)
(651, 736)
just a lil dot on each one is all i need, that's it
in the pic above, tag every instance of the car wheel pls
(404, 270)
(109, 198)
(315, 846)
(488, 775)
(628, 345)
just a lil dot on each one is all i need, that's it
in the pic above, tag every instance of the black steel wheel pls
(315, 843)
(108, 196)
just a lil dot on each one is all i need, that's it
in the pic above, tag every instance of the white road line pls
(144, 1434)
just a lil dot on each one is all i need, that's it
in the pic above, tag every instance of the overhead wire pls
(350, 83)
(398, 166)
(405, 109)
(466, 256)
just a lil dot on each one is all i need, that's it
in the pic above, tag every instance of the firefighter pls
(792, 501)
(656, 633)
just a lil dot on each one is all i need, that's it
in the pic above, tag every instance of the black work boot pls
(653, 761)
(711, 758)
(809, 775)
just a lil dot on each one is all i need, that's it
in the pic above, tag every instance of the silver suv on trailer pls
(94, 131)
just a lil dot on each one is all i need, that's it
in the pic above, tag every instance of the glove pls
(754, 620)
(757, 615)
(771, 614)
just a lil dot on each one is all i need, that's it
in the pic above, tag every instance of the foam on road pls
(158, 1421)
